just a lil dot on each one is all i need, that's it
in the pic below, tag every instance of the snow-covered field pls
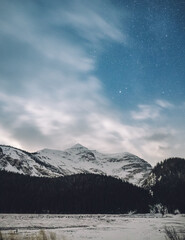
(104, 227)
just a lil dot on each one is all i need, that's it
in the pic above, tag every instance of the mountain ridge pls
(74, 160)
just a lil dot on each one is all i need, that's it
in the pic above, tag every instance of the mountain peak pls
(74, 160)
(78, 146)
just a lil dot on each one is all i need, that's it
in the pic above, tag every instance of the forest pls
(82, 193)
(94, 193)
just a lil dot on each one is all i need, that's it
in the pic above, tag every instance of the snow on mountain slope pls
(19, 161)
(77, 159)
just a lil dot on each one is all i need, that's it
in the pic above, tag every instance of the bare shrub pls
(8, 236)
(1, 236)
(171, 234)
(176, 211)
(11, 236)
(41, 235)
(158, 208)
(52, 236)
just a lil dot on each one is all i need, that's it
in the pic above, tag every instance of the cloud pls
(164, 103)
(151, 111)
(159, 136)
(6, 137)
(44, 123)
(146, 112)
(24, 29)
(50, 95)
(91, 22)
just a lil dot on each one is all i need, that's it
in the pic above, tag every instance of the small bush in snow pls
(132, 212)
(1, 237)
(176, 211)
(158, 208)
(171, 234)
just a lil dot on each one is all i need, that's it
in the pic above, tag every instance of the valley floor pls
(94, 227)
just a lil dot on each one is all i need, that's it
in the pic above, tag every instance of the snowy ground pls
(104, 227)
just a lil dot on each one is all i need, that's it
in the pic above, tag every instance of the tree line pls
(81, 193)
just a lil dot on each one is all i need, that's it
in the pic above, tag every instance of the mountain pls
(75, 160)
(167, 183)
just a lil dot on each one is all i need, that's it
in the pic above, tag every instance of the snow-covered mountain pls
(77, 159)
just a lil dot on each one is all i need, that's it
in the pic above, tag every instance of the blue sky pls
(107, 74)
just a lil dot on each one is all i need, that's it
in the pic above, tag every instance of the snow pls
(78, 159)
(21, 158)
(10, 168)
(9, 151)
(77, 146)
(104, 227)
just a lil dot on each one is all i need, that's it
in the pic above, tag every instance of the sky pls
(108, 74)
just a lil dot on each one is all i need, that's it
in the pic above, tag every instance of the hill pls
(167, 182)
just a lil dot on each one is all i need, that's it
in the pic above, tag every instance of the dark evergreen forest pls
(169, 188)
(93, 193)
(82, 193)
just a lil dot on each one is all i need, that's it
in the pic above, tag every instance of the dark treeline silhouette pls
(81, 193)
(169, 187)
(170, 190)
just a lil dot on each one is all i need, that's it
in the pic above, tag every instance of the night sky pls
(107, 74)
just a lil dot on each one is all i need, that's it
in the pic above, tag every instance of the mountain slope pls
(171, 169)
(167, 182)
(75, 160)
(20, 161)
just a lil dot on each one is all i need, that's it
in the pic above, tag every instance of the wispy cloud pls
(151, 111)
(50, 95)
(58, 125)
(53, 97)
(164, 103)
(146, 112)
(91, 24)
